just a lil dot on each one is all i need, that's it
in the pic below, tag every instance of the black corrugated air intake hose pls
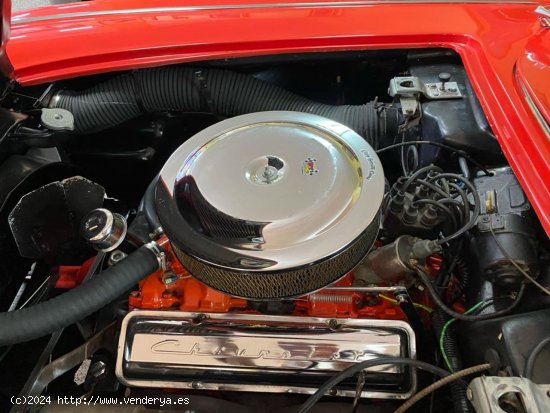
(458, 392)
(68, 308)
(222, 92)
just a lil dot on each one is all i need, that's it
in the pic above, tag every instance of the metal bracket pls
(409, 88)
(487, 394)
(413, 87)
(491, 221)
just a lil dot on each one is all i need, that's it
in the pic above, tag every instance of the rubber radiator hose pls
(68, 308)
(458, 392)
(222, 92)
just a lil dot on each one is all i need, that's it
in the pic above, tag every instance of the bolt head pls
(98, 369)
(444, 76)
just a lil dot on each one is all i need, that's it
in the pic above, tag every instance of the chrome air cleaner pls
(271, 204)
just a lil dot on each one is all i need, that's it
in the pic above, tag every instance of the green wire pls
(444, 330)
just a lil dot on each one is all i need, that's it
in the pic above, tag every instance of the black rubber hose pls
(68, 308)
(222, 92)
(147, 206)
(458, 393)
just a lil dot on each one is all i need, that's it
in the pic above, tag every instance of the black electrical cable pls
(440, 383)
(453, 356)
(439, 145)
(439, 301)
(445, 271)
(440, 206)
(475, 213)
(406, 167)
(418, 173)
(458, 206)
(464, 279)
(530, 363)
(434, 188)
(356, 368)
(465, 203)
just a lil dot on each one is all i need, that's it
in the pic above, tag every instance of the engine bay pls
(314, 232)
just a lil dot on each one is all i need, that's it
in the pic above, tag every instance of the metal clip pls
(159, 253)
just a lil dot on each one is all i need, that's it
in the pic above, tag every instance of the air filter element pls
(271, 204)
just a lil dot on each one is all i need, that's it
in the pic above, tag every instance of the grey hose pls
(68, 308)
(222, 92)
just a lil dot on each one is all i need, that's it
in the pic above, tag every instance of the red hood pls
(498, 42)
(5, 9)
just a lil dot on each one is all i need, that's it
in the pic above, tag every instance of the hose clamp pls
(159, 253)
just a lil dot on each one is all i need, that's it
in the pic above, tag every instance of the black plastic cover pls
(513, 337)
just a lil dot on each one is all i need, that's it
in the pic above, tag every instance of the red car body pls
(505, 48)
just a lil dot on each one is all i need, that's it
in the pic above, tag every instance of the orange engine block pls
(176, 289)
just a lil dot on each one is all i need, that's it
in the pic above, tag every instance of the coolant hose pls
(68, 308)
(458, 393)
(218, 91)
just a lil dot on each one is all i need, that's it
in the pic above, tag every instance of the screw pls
(199, 318)
(333, 392)
(116, 256)
(196, 385)
(452, 89)
(270, 173)
(333, 324)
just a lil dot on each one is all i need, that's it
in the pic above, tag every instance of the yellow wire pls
(417, 305)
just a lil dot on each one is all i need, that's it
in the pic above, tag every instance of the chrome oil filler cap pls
(271, 204)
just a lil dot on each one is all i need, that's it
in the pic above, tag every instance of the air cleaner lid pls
(270, 190)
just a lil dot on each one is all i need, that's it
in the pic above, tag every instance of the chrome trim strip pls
(151, 338)
(541, 120)
(178, 9)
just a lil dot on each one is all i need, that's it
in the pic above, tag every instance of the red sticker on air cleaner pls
(310, 166)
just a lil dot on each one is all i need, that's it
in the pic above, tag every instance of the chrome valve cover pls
(271, 204)
(240, 352)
